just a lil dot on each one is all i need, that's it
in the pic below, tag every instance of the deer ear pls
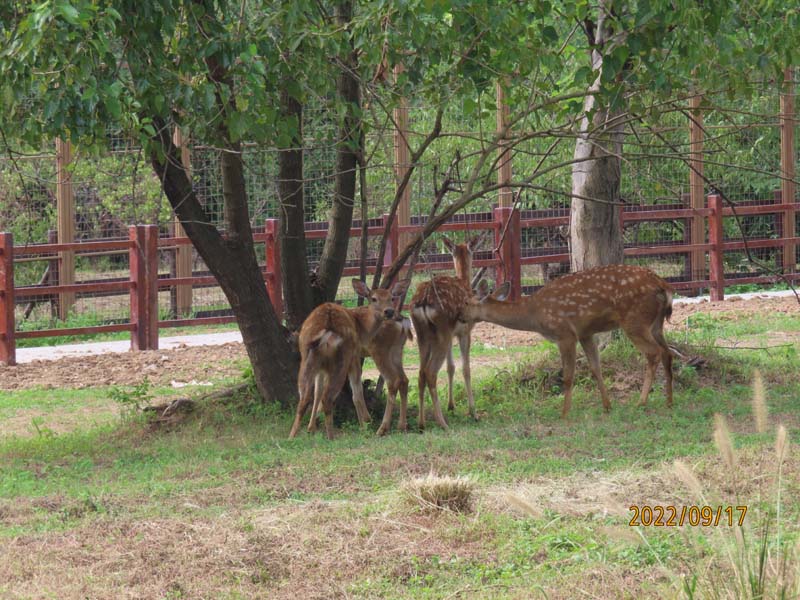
(399, 288)
(448, 244)
(475, 242)
(482, 290)
(502, 292)
(361, 288)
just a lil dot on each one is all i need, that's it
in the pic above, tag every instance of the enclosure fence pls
(70, 265)
(145, 293)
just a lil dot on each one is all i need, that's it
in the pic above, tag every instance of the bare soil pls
(207, 363)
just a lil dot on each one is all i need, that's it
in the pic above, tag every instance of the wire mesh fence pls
(117, 187)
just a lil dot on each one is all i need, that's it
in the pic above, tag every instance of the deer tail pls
(325, 342)
(667, 311)
(406, 325)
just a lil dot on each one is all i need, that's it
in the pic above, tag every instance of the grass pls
(222, 505)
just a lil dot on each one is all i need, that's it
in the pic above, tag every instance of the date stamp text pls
(694, 515)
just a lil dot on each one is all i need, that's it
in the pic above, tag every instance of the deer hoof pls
(382, 430)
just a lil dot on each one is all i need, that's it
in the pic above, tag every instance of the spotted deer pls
(574, 307)
(436, 313)
(331, 341)
(462, 263)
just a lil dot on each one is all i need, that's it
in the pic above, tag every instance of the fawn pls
(331, 342)
(386, 349)
(573, 308)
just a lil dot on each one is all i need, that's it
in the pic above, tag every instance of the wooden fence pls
(506, 223)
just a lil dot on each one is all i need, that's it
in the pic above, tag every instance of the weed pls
(131, 400)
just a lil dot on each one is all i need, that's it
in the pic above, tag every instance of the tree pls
(229, 73)
(645, 60)
(595, 223)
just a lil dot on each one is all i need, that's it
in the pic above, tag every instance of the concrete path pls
(25, 355)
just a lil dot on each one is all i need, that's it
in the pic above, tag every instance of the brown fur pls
(386, 349)
(436, 310)
(573, 308)
(331, 341)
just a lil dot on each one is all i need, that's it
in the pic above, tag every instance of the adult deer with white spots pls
(331, 342)
(573, 308)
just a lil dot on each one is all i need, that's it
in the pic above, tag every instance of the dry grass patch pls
(435, 492)
(310, 550)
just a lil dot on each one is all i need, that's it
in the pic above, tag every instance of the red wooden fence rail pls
(143, 246)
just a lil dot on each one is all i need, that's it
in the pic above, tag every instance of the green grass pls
(230, 462)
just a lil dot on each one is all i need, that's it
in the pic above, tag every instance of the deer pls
(435, 311)
(574, 307)
(331, 342)
(386, 349)
(462, 263)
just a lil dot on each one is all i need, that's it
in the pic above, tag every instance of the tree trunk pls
(298, 300)
(233, 263)
(595, 220)
(334, 253)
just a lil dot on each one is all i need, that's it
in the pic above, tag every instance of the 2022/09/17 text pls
(692, 515)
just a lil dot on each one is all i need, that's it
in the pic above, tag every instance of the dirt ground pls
(202, 364)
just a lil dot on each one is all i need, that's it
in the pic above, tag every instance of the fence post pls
(138, 270)
(788, 122)
(393, 243)
(181, 295)
(778, 223)
(8, 345)
(272, 249)
(65, 203)
(151, 285)
(510, 248)
(696, 185)
(402, 159)
(55, 277)
(716, 239)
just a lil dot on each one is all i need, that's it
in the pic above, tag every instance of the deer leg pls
(437, 357)
(306, 393)
(358, 392)
(666, 360)
(423, 343)
(567, 349)
(464, 343)
(593, 356)
(333, 385)
(422, 385)
(318, 383)
(302, 407)
(403, 424)
(386, 423)
(647, 345)
(451, 370)
(437, 408)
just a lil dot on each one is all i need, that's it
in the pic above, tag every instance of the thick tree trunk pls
(233, 263)
(334, 253)
(595, 223)
(297, 296)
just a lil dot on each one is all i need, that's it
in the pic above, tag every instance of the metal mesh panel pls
(115, 189)
(28, 196)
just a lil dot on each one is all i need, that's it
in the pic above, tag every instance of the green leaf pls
(68, 12)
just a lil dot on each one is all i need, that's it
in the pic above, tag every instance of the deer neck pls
(367, 323)
(521, 314)
(462, 261)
